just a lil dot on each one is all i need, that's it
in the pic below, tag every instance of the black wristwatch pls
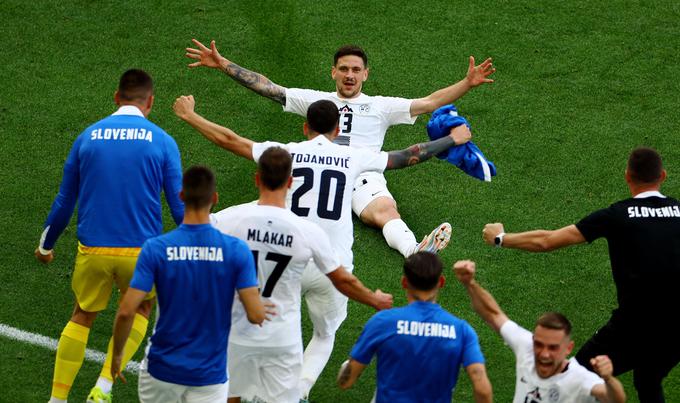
(498, 240)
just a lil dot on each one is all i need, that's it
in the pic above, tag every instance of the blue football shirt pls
(196, 270)
(420, 349)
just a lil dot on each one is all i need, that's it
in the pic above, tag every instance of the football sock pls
(133, 342)
(316, 356)
(400, 237)
(70, 356)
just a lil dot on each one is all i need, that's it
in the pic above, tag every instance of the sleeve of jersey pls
(472, 352)
(259, 148)
(247, 277)
(298, 100)
(519, 339)
(143, 276)
(325, 257)
(371, 160)
(65, 202)
(598, 224)
(374, 333)
(397, 111)
(172, 180)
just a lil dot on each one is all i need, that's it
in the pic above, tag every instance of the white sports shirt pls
(323, 180)
(282, 244)
(571, 386)
(363, 120)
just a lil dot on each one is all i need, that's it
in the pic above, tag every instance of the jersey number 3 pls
(323, 210)
(281, 264)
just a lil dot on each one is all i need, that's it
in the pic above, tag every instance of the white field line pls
(50, 343)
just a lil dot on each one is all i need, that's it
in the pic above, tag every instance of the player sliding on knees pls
(364, 121)
(323, 174)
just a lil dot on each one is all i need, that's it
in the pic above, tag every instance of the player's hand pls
(269, 310)
(460, 134)
(490, 232)
(383, 300)
(602, 366)
(465, 271)
(206, 57)
(44, 258)
(478, 75)
(116, 370)
(184, 106)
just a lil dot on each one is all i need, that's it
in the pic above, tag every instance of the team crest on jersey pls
(364, 108)
(554, 394)
(345, 109)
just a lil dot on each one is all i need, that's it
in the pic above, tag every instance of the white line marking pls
(50, 343)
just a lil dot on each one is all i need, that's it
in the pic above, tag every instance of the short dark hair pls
(198, 186)
(644, 165)
(422, 270)
(555, 321)
(135, 85)
(350, 50)
(274, 166)
(323, 116)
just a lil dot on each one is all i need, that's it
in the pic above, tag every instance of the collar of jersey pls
(361, 99)
(321, 137)
(195, 227)
(129, 110)
(649, 193)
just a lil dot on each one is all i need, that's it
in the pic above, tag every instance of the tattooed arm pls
(421, 152)
(350, 370)
(210, 57)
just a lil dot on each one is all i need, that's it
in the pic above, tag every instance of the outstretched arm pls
(534, 241)
(482, 301)
(210, 57)
(222, 136)
(612, 390)
(476, 75)
(354, 289)
(418, 153)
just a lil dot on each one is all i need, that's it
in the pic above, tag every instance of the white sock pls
(55, 400)
(316, 356)
(104, 384)
(400, 237)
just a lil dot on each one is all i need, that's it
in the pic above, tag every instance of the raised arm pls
(482, 301)
(418, 153)
(533, 241)
(476, 75)
(210, 57)
(222, 136)
(354, 289)
(612, 390)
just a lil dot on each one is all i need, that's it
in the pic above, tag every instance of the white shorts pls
(152, 390)
(368, 187)
(265, 374)
(327, 306)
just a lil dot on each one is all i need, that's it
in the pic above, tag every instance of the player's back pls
(282, 245)
(121, 162)
(323, 178)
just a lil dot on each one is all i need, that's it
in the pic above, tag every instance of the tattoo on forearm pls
(256, 82)
(344, 374)
(418, 153)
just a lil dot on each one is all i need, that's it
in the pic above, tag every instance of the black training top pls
(644, 249)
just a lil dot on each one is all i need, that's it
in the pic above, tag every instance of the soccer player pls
(196, 271)
(116, 170)
(323, 174)
(364, 121)
(265, 362)
(544, 374)
(420, 347)
(643, 233)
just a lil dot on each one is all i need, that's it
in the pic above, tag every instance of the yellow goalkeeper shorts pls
(96, 269)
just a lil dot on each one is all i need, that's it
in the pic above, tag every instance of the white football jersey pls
(282, 244)
(323, 180)
(363, 120)
(570, 386)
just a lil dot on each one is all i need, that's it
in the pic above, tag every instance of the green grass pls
(579, 84)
